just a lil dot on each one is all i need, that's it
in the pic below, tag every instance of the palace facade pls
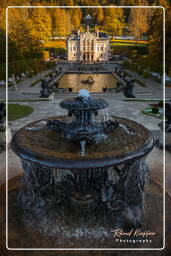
(88, 46)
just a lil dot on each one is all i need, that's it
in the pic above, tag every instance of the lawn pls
(16, 111)
(128, 44)
(129, 41)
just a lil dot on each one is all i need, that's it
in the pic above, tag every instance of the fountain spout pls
(82, 144)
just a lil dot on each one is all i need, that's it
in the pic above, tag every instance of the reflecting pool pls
(78, 82)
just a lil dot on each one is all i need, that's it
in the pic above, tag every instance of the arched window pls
(88, 45)
(92, 45)
(84, 45)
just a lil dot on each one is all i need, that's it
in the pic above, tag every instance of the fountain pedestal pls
(119, 188)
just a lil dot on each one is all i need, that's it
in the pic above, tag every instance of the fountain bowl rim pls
(72, 103)
(81, 163)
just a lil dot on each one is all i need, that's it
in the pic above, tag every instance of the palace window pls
(88, 46)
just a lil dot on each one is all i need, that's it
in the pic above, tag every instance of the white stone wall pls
(88, 47)
(72, 50)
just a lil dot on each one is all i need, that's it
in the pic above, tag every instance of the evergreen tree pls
(155, 56)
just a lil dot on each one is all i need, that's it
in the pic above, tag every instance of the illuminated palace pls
(88, 46)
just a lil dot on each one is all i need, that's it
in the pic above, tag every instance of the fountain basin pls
(110, 174)
(36, 143)
(74, 200)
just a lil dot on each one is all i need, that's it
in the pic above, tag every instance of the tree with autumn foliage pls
(19, 32)
(139, 19)
(114, 20)
(76, 16)
(61, 22)
(39, 24)
(98, 15)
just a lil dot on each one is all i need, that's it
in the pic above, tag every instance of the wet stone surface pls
(38, 139)
(59, 227)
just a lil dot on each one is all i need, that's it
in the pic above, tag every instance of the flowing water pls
(82, 144)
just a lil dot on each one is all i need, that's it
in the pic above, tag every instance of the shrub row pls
(136, 68)
(33, 66)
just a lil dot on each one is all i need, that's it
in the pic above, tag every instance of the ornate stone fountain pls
(106, 173)
(83, 128)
